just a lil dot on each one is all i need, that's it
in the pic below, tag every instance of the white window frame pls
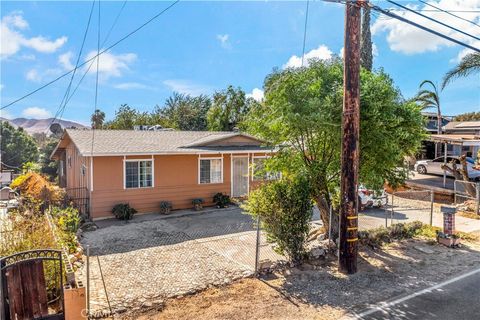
(152, 160)
(221, 169)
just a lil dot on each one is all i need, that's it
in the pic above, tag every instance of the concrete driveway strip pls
(455, 299)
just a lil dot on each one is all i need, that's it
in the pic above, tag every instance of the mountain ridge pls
(32, 126)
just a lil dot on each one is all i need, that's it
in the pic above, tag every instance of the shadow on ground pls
(382, 274)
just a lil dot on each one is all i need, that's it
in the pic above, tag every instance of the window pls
(138, 174)
(83, 170)
(211, 171)
(259, 172)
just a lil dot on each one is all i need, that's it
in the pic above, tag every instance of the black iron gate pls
(31, 285)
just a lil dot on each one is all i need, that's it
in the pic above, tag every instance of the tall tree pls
(97, 119)
(469, 65)
(184, 112)
(302, 112)
(366, 54)
(17, 147)
(228, 109)
(127, 117)
(47, 166)
(429, 99)
(469, 116)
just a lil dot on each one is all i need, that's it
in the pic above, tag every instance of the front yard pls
(318, 291)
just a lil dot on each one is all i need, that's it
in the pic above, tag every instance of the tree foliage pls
(470, 64)
(97, 119)
(127, 117)
(228, 109)
(17, 147)
(184, 112)
(285, 210)
(366, 53)
(48, 167)
(302, 111)
(469, 116)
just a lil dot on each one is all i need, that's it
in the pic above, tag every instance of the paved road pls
(455, 299)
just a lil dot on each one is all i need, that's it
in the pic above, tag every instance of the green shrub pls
(377, 237)
(221, 200)
(285, 209)
(123, 211)
(67, 219)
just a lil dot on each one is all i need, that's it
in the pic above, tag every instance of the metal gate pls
(31, 285)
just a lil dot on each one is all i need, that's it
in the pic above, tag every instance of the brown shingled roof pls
(124, 142)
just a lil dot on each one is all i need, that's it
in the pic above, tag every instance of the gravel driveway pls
(153, 257)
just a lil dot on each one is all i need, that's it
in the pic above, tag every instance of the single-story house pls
(142, 168)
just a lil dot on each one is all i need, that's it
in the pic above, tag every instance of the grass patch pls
(379, 236)
(469, 215)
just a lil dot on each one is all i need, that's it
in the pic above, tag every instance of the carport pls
(461, 140)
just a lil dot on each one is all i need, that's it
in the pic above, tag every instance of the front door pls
(239, 176)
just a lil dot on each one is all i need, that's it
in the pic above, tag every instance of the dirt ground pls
(317, 291)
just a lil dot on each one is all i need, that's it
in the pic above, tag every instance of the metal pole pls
(455, 192)
(257, 246)
(391, 212)
(88, 282)
(432, 195)
(330, 226)
(350, 141)
(445, 163)
(478, 197)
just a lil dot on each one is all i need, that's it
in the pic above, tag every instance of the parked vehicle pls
(369, 198)
(435, 166)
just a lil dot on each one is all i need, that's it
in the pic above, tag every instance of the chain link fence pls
(467, 196)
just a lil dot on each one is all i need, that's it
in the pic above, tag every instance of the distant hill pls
(40, 125)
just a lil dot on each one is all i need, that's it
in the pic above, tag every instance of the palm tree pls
(97, 119)
(428, 99)
(468, 65)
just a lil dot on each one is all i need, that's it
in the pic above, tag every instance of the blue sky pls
(200, 47)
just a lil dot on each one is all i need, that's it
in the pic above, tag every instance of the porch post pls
(445, 163)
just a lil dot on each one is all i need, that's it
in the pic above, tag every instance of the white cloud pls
(130, 86)
(111, 65)
(223, 38)
(256, 94)
(64, 60)
(32, 75)
(322, 53)
(187, 87)
(13, 39)
(36, 113)
(408, 39)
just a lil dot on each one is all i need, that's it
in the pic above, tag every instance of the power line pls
(434, 20)
(103, 43)
(393, 15)
(305, 32)
(94, 57)
(449, 13)
(67, 91)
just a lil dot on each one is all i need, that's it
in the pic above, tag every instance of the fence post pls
(455, 192)
(330, 227)
(432, 196)
(88, 282)
(478, 197)
(392, 212)
(257, 247)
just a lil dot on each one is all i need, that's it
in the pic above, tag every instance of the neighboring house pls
(431, 126)
(143, 168)
(466, 129)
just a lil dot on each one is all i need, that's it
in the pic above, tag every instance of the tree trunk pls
(324, 208)
(462, 175)
(366, 55)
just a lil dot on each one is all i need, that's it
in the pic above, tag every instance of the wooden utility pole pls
(350, 141)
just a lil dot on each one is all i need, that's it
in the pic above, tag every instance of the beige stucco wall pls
(175, 180)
